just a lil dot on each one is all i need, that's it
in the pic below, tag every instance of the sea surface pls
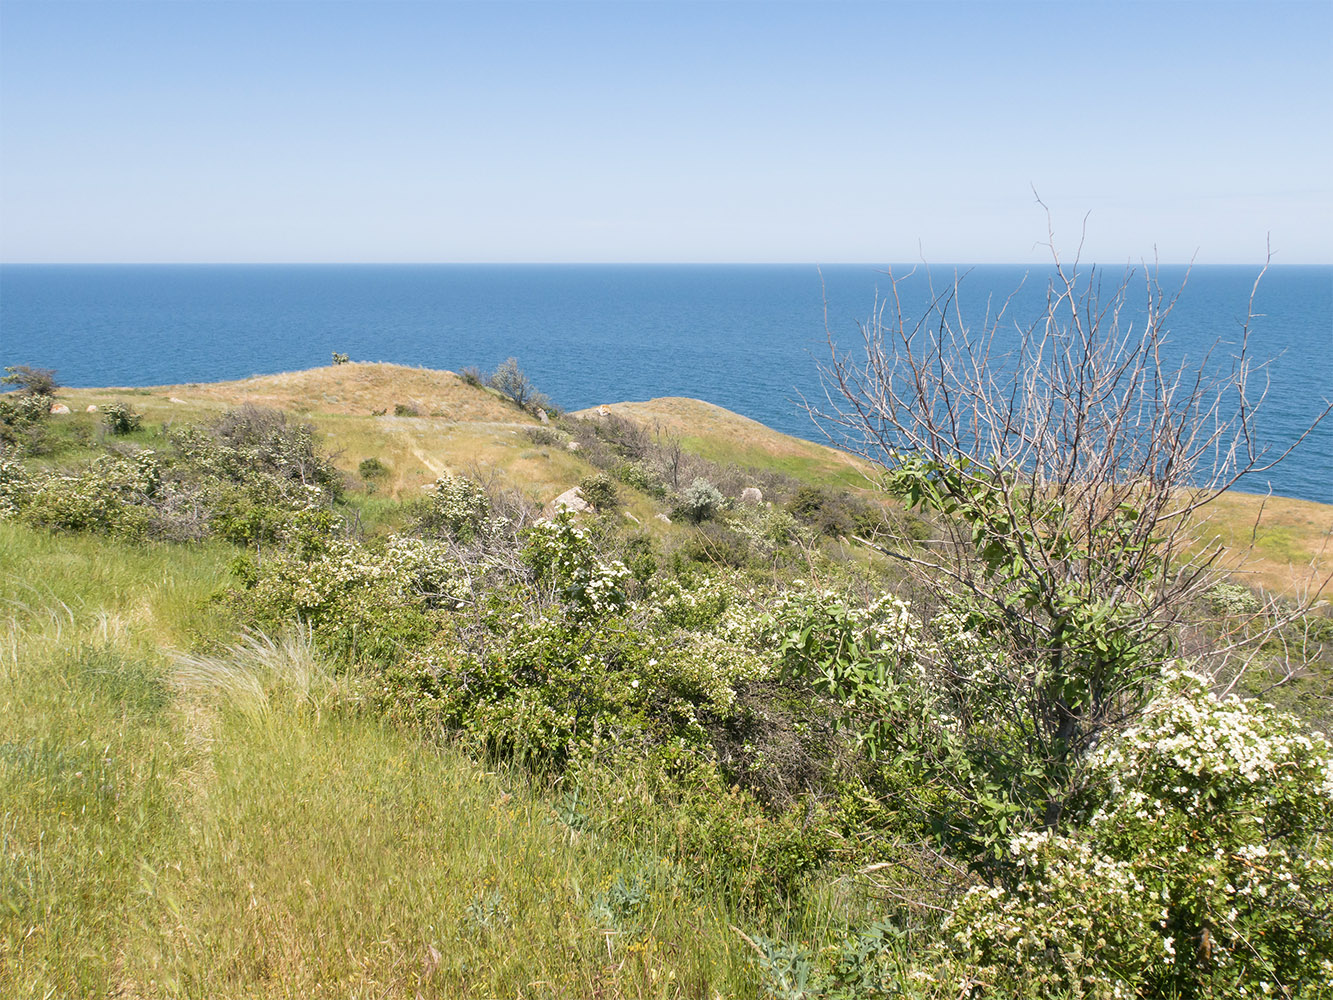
(749, 338)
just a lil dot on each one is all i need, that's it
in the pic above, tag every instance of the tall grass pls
(226, 822)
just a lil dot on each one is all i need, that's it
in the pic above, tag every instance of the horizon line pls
(649, 263)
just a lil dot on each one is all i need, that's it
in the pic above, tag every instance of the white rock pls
(571, 499)
(92, 408)
(664, 519)
(59, 408)
(604, 411)
(541, 415)
(173, 399)
(752, 494)
(573, 446)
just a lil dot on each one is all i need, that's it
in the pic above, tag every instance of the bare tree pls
(1066, 459)
(513, 382)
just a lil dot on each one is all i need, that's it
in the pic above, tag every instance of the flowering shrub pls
(561, 556)
(118, 418)
(458, 507)
(15, 484)
(21, 412)
(375, 603)
(1203, 868)
(111, 496)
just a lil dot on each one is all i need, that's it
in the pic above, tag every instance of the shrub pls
(1203, 868)
(340, 359)
(701, 501)
(562, 557)
(15, 484)
(712, 544)
(835, 513)
(458, 508)
(404, 410)
(118, 418)
(641, 476)
(253, 439)
(542, 436)
(600, 491)
(510, 380)
(111, 496)
(372, 468)
(31, 381)
(22, 415)
(361, 603)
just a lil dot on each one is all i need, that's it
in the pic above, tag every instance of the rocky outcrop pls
(571, 500)
(752, 495)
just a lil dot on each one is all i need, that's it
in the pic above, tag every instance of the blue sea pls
(745, 337)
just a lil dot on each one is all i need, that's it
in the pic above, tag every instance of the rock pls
(173, 399)
(752, 494)
(631, 517)
(604, 411)
(571, 499)
(573, 446)
(59, 408)
(541, 415)
(92, 408)
(664, 519)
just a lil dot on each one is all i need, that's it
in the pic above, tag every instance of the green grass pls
(252, 833)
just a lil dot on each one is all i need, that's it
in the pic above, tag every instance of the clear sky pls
(387, 131)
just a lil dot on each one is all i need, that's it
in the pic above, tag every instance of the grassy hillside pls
(277, 723)
(171, 830)
(1280, 544)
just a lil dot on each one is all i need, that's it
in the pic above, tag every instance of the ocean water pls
(744, 337)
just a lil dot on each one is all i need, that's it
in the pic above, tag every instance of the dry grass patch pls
(1282, 545)
(722, 436)
(357, 388)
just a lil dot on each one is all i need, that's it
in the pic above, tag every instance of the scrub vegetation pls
(279, 722)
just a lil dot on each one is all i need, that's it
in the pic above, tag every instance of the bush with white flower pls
(1203, 866)
(563, 558)
(458, 507)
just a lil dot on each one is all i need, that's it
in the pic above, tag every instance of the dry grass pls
(466, 429)
(722, 436)
(357, 388)
(1284, 546)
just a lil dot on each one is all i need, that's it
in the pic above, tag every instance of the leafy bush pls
(835, 513)
(340, 359)
(543, 436)
(254, 439)
(563, 559)
(118, 418)
(31, 381)
(22, 414)
(509, 380)
(1203, 868)
(372, 468)
(404, 410)
(370, 603)
(641, 475)
(111, 496)
(600, 491)
(701, 501)
(712, 544)
(457, 508)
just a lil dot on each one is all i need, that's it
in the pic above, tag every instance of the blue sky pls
(385, 131)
